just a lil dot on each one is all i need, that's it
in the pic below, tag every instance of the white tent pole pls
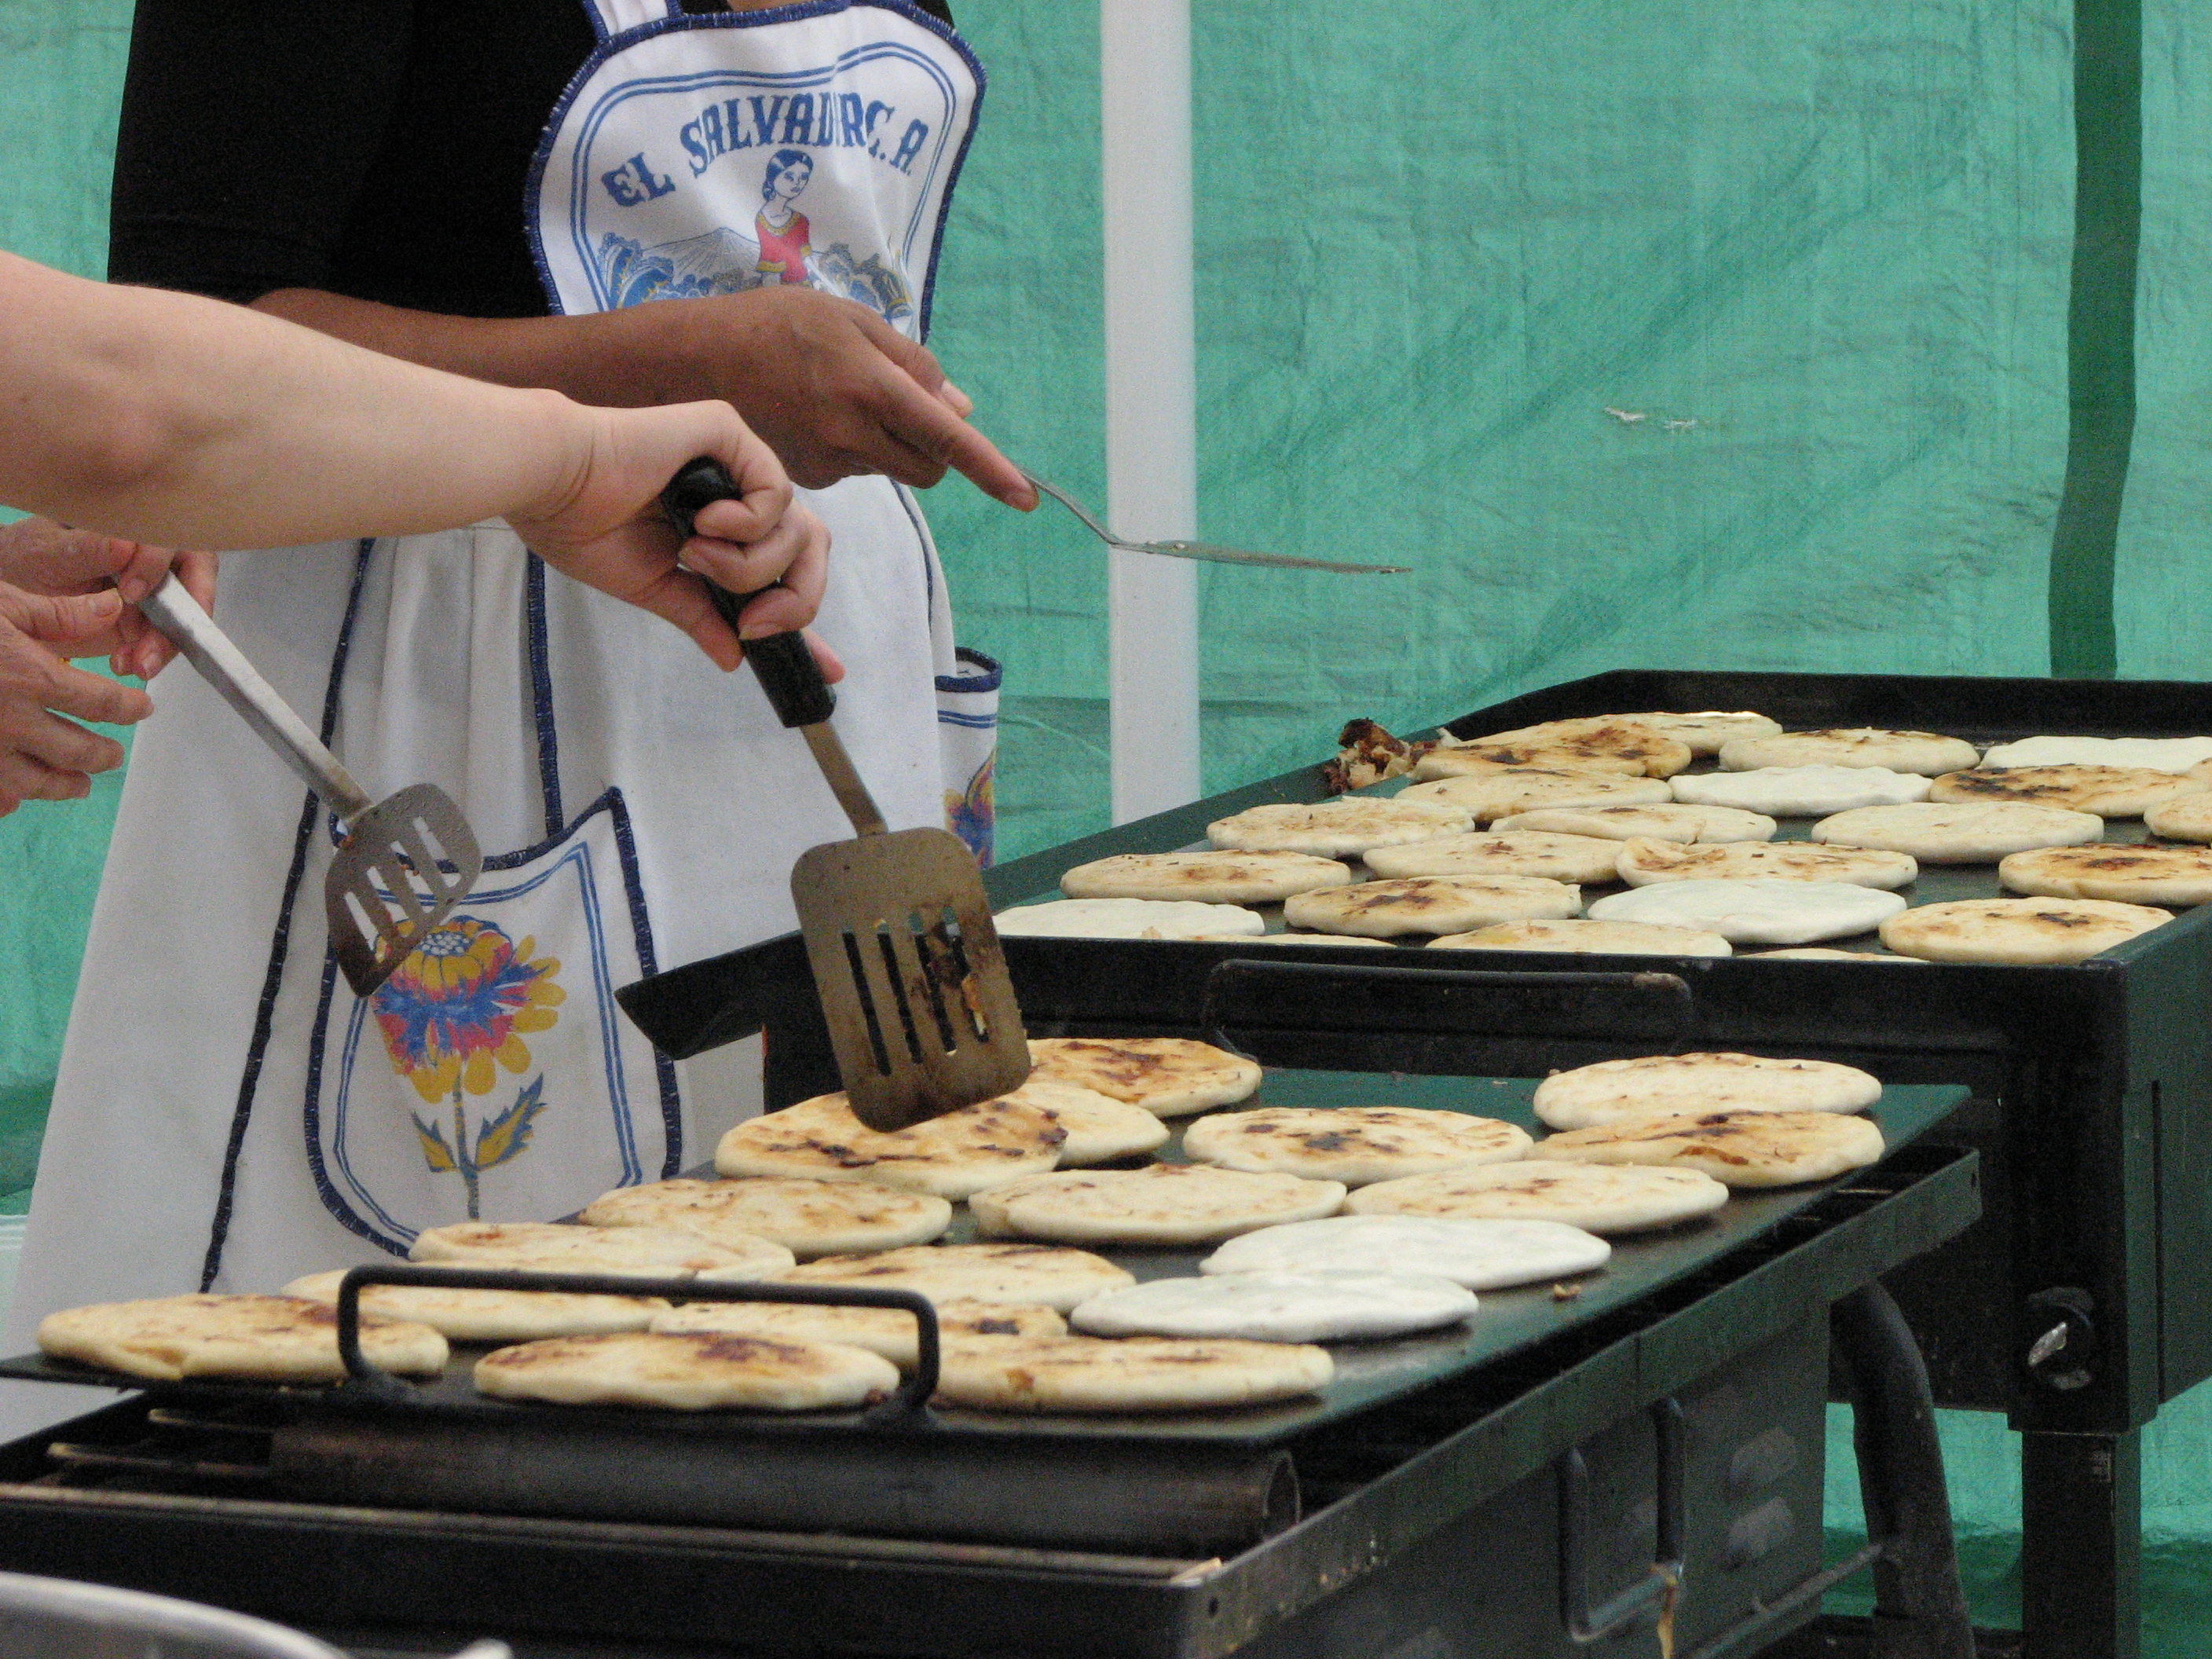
(1152, 440)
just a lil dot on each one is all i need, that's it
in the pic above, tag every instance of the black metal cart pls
(1553, 1479)
(2077, 1306)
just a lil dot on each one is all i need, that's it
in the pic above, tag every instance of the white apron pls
(228, 1115)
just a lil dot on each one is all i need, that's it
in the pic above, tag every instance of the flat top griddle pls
(702, 1004)
(1368, 1374)
(1937, 884)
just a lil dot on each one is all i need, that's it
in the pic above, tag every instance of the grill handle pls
(909, 1403)
(1658, 1587)
(1321, 996)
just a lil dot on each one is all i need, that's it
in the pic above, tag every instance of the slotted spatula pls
(898, 932)
(407, 860)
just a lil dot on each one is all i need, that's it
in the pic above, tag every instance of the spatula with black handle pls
(406, 861)
(898, 932)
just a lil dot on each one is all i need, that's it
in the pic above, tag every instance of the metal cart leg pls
(2082, 1544)
(1920, 1610)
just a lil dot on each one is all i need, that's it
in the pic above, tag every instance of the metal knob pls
(2062, 1337)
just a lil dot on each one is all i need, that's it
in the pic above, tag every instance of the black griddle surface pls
(1937, 884)
(1367, 1373)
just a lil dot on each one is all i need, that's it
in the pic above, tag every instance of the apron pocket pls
(493, 1075)
(968, 745)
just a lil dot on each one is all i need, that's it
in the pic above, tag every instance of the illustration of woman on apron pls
(227, 1109)
(782, 227)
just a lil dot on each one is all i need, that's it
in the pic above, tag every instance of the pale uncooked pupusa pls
(1979, 832)
(1322, 1305)
(1756, 912)
(1482, 1255)
(1800, 792)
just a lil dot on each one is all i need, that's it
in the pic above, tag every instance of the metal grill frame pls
(2092, 1108)
(1418, 1471)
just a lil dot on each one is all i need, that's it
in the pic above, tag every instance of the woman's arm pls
(168, 418)
(833, 388)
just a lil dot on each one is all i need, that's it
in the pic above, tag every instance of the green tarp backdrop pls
(1729, 333)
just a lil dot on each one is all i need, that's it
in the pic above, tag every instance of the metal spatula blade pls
(404, 864)
(912, 980)
(906, 959)
(406, 861)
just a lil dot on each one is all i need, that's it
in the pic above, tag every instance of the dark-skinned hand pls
(833, 388)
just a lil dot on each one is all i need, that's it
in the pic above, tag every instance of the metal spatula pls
(407, 860)
(898, 932)
(1207, 552)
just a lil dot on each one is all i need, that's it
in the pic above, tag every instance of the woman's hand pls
(41, 557)
(833, 388)
(602, 525)
(43, 756)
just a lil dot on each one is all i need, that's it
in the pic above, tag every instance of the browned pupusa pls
(1040, 1275)
(271, 1339)
(688, 1372)
(1129, 1374)
(1737, 1149)
(2037, 931)
(2109, 792)
(1430, 904)
(1355, 1144)
(2129, 873)
(952, 1155)
(1169, 1076)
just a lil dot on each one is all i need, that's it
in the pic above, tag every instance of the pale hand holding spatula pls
(898, 931)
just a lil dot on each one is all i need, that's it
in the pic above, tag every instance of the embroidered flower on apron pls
(491, 1076)
(456, 1014)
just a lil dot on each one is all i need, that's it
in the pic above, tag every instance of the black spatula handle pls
(786, 668)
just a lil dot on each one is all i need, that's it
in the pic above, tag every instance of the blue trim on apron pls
(280, 944)
(990, 676)
(920, 537)
(541, 691)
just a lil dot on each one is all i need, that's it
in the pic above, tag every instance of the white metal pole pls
(1152, 397)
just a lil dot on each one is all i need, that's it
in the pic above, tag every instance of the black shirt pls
(377, 148)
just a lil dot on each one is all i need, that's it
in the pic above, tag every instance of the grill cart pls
(2077, 1305)
(1578, 1470)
